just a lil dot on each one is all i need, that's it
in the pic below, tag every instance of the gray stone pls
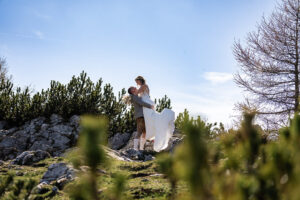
(33, 125)
(133, 154)
(54, 190)
(129, 144)
(44, 145)
(44, 127)
(3, 133)
(119, 140)
(60, 142)
(8, 142)
(30, 157)
(148, 157)
(12, 130)
(56, 119)
(57, 171)
(44, 133)
(54, 137)
(75, 120)
(62, 130)
(1, 162)
(60, 183)
(42, 188)
(22, 139)
(3, 125)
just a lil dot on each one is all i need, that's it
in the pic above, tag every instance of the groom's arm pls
(139, 101)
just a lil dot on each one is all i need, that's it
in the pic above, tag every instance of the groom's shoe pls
(136, 144)
(142, 143)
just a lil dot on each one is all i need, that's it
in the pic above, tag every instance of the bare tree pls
(269, 65)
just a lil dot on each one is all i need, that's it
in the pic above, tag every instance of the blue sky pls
(182, 47)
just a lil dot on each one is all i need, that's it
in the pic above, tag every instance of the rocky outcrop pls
(40, 137)
(119, 140)
(30, 157)
(52, 135)
(58, 171)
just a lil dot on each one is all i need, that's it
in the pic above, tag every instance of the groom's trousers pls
(141, 128)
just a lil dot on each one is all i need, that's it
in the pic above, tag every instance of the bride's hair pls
(140, 78)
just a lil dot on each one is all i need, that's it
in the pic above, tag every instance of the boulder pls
(63, 130)
(32, 126)
(58, 171)
(129, 144)
(75, 120)
(30, 157)
(3, 125)
(56, 119)
(119, 140)
(59, 143)
(43, 144)
(138, 155)
(133, 154)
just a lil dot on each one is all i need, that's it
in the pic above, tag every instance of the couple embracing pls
(151, 125)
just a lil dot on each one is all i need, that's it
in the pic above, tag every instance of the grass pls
(143, 179)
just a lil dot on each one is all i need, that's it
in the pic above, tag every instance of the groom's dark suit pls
(138, 104)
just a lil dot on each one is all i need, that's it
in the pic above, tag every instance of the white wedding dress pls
(159, 126)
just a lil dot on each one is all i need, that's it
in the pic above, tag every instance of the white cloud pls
(39, 34)
(217, 77)
(214, 102)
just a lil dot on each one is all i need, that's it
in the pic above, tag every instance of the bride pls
(159, 126)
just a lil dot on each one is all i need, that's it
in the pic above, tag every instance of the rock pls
(30, 157)
(148, 157)
(75, 120)
(57, 171)
(12, 130)
(44, 145)
(116, 155)
(63, 130)
(60, 143)
(7, 142)
(173, 142)
(32, 126)
(3, 125)
(56, 119)
(8, 148)
(129, 144)
(1, 162)
(3, 133)
(119, 140)
(134, 154)
(44, 127)
(54, 136)
(60, 183)
(54, 190)
(42, 188)
(44, 133)
(19, 174)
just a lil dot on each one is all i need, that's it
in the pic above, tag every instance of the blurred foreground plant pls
(91, 154)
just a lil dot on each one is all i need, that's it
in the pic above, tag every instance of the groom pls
(138, 104)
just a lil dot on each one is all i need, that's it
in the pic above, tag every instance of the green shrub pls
(80, 96)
